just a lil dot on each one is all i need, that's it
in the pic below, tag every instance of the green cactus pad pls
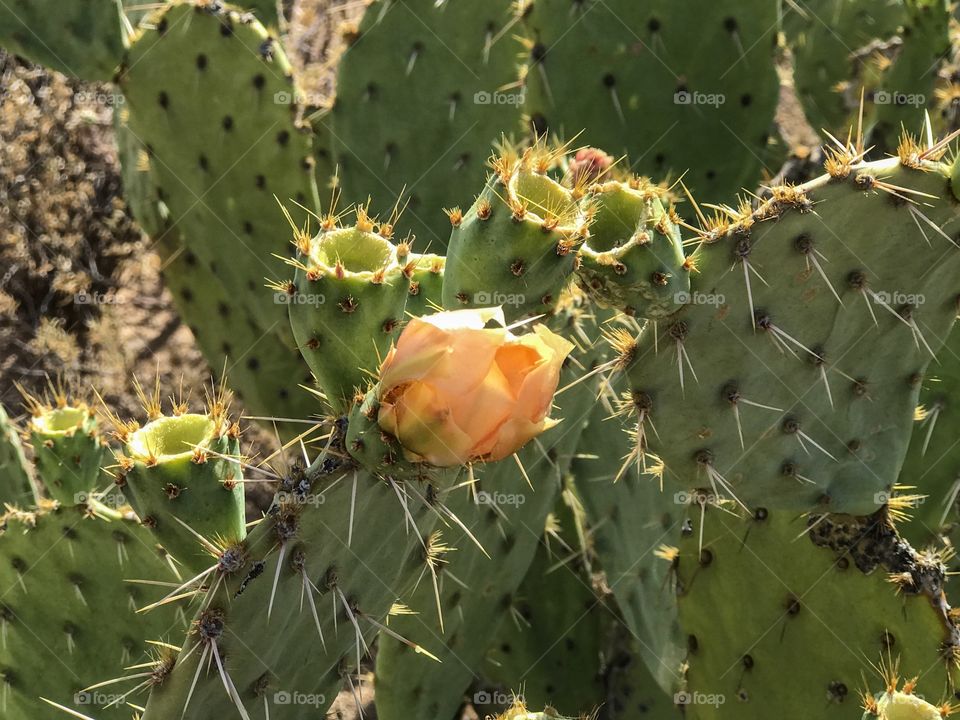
(793, 384)
(422, 94)
(637, 77)
(346, 306)
(628, 550)
(69, 452)
(83, 39)
(833, 596)
(516, 246)
(210, 96)
(307, 545)
(506, 518)
(69, 617)
(17, 486)
(932, 467)
(552, 643)
(186, 468)
(633, 259)
(825, 37)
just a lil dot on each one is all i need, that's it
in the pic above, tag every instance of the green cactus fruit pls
(68, 451)
(630, 74)
(182, 476)
(346, 304)
(629, 551)
(69, 610)
(504, 516)
(297, 575)
(895, 704)
(210, 95)
(516, 245)
(831, 595)
(17, 486)
(84, 39)
(633, 258)
(520, 712)
(422, 69)
(792, 383)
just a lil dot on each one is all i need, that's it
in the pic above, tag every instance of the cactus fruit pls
(346, 302)
(182, 475)
(17, 485)
(516, 246)
(62, 568)
(425, 292)
(633, 259)
(896, 704)
(630, 74)
(758, 591)
(68, 451)
(818, 417)
(213, 109)
(519, 712)
(424, 69)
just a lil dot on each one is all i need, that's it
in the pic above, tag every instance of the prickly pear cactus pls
(504, 514)
(931, 471)
(551, 646)
(213, 109)
(422, 93)
(86, 39)
(68, 451)
(347, 303)
(516, 245)
(628, 550)
(297, 575)
(182, 475)
(633, 258)
(630, 75)
(834, 594)
(62, 568)
(792, 383)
